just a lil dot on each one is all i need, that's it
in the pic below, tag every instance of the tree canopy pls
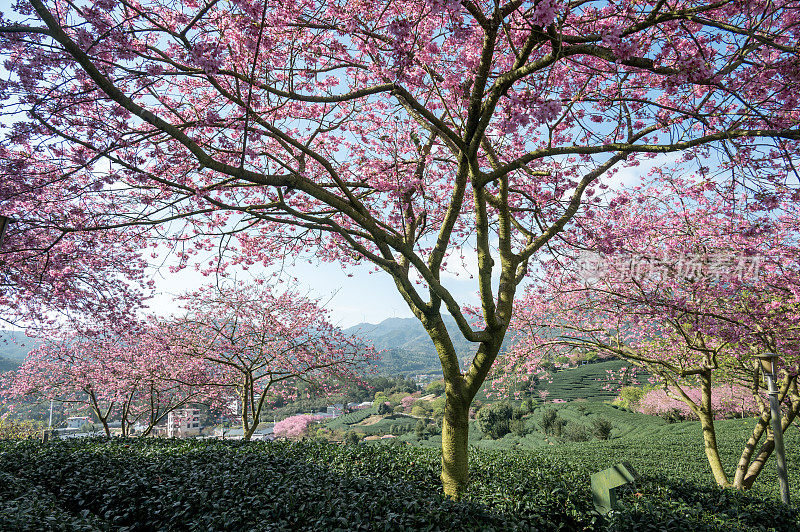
(402, 133)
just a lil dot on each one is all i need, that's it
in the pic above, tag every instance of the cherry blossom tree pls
(691, 282)
(51, 272)
(264, 347)
(407, 134)
(294, 426)
(126, 376)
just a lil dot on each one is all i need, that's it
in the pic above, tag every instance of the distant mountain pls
(406, 346)
(8, 365)
(409, 335)
(15, 345)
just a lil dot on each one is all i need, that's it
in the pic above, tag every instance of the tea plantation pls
(152, 484)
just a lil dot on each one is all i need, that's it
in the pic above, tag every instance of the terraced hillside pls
(582, 382)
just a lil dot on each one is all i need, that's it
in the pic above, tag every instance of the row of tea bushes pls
(203, 485)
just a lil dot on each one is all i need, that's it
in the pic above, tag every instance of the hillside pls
(15, 345)
(582, 382)
(408, 334)
(406, 346)
(8, 364)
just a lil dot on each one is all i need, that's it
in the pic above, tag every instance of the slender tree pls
(692, 284)
(404, 133)
(123, 376)
(264, 347)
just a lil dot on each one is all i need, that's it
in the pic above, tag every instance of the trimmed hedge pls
(154, 484)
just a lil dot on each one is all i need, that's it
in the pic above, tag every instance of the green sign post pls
(605, 482)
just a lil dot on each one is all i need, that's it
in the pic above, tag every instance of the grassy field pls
(655, 447)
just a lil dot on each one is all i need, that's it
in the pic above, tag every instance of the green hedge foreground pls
(154, 484)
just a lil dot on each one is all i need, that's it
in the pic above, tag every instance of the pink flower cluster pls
(295, 426)
(726, 401)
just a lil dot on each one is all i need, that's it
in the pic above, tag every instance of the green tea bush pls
(601, 428)
(576, 432)
(150, 484)
(552, 424)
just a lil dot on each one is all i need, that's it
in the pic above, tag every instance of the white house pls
(77, 422)
(183, 422)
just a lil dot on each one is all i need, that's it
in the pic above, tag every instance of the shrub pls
(422, 409)
(435, 387)
(601, 428)
(11, 429)
(552, 423)
(150, 484)
(494, 420)
(517, 427)
(629, 396)
(576, 432)
(527, 406)
(420, 429)
(380, 397)
(351, 438)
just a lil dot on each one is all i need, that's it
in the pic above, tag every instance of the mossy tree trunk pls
(460, 389)
(706, 414)
(749, 467)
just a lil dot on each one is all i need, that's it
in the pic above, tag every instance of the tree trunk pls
(712, 452)
(748, 468)
(247, 434)
(247, 430)
(744, 460)
(455, 439)
(706, 415)
(106, 427)
(766, 449)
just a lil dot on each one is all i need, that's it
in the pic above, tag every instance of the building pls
(183, 422)
(262, 434)
(77, 422)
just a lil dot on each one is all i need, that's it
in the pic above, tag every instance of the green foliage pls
(501, 418)
(351, 438)
(422, 409)
(12, 429)
(527, 406)
(629, 396)
(391, 385)
(303, 406)
(601, 428)
(152, 484)
(437, 407)
(380, 397)
(435, 387)
(517, 427)
(552, 424)
(576, 432)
